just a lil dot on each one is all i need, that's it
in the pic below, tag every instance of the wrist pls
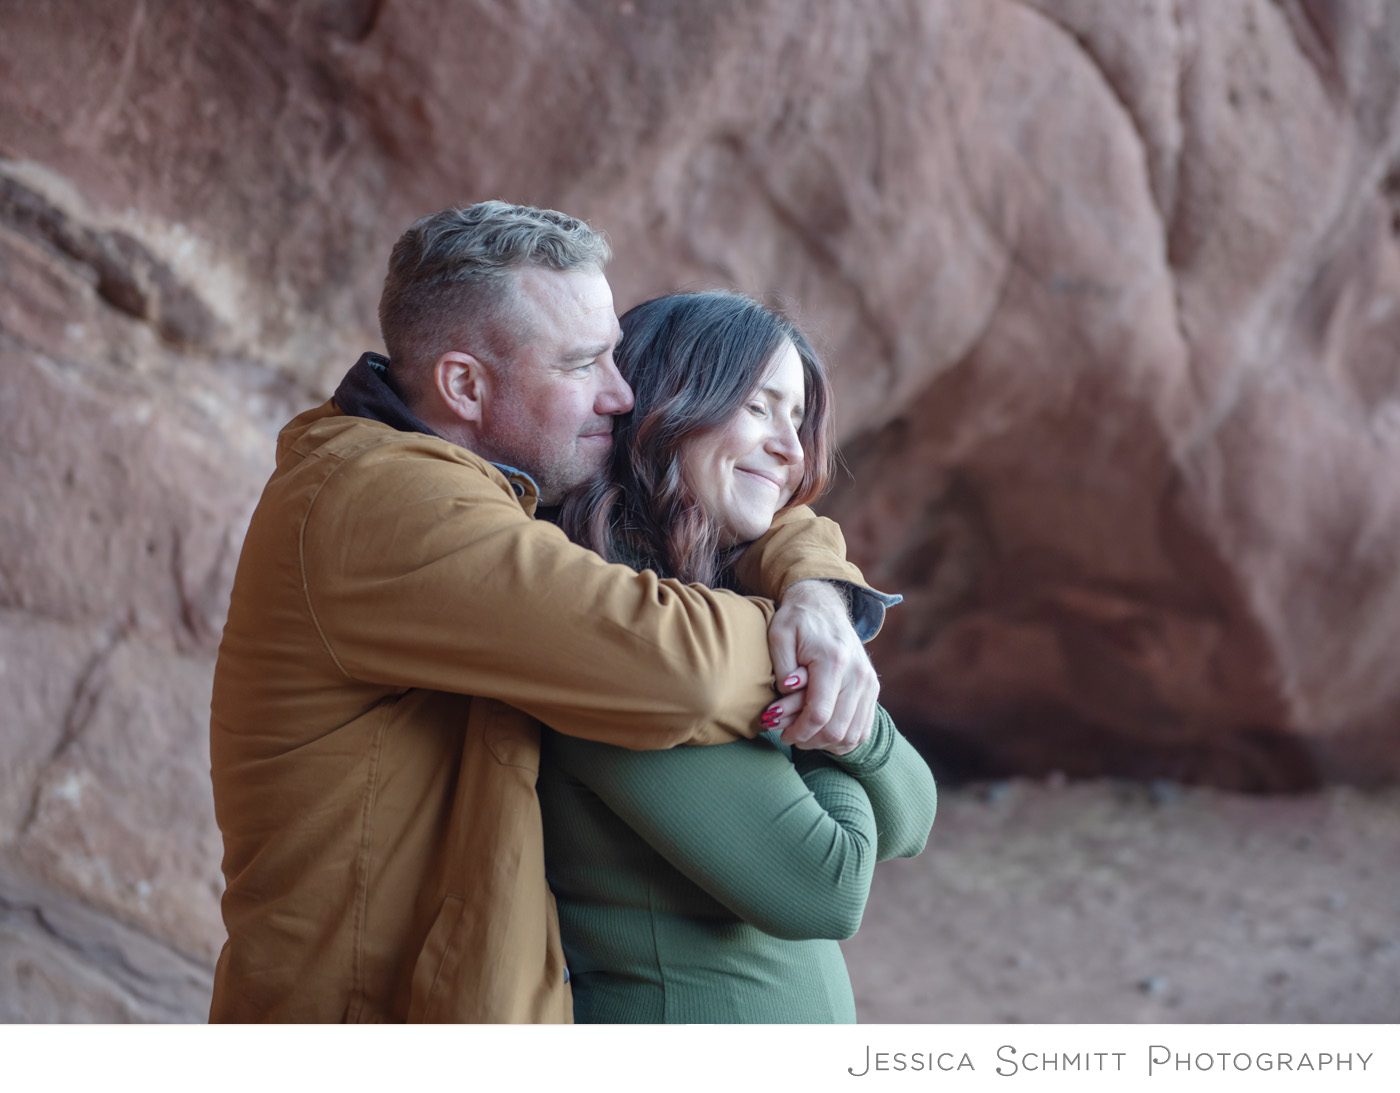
(816, 592)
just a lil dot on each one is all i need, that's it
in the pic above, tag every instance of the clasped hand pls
(828, 686)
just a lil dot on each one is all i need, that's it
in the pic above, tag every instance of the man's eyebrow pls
(589, 351)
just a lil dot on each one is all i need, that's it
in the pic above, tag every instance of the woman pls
(710, 883)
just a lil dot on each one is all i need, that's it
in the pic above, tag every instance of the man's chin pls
(580, 474)
(592, 457)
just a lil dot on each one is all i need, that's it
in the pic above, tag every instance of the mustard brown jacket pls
(399, 626)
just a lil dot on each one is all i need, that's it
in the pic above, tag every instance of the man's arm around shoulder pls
(422, 570)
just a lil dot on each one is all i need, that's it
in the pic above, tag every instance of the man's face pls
(551, 404)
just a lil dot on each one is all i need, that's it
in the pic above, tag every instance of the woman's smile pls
(744, 471)
(768, 479)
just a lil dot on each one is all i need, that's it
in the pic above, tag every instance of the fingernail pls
(792, 681)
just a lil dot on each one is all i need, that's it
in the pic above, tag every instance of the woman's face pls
(744, 471)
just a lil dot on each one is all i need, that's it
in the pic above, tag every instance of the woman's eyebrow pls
(778, 396)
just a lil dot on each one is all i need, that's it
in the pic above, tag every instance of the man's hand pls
(813, 645)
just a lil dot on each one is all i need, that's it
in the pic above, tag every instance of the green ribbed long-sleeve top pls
(709, 884)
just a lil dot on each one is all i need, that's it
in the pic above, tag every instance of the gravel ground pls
(1108, 902)
(1090, 902)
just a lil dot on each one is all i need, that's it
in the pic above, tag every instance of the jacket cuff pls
(865, 606)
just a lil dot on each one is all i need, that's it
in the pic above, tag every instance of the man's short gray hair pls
(450, 281)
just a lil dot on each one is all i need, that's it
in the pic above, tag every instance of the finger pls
(782, 645)
(782, 712)
(823, 689)
(793, 681)
(862, 721)
(865, 717)
(835, 736)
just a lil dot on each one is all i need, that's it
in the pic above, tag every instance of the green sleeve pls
(898, 782)
(790, 852)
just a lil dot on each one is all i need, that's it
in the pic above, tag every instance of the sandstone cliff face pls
(1112, 292)
(1146, 517)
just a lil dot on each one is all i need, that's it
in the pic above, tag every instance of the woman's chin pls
(736, 534)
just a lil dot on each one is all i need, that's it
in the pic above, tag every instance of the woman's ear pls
(463, 384)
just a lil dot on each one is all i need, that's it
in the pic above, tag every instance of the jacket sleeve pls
(790, 852)
(895, 777)
(802, 546)
(421, 570)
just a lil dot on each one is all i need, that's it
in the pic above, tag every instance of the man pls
(399, 620)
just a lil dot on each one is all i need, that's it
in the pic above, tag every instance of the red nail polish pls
(792, 681)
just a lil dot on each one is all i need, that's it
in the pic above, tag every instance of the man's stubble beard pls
(555, 468)
(562, 474)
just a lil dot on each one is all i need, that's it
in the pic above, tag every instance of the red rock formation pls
(1142, 519)
(1113, 296)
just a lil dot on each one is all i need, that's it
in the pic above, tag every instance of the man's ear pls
(463, 384)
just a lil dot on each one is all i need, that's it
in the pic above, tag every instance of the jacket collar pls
(367, 391)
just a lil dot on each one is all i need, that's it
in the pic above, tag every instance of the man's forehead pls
(568, 315)
(571, 293)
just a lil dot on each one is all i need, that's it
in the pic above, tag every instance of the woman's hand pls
(783, 713)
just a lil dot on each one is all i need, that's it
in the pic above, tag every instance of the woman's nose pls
(785, 443)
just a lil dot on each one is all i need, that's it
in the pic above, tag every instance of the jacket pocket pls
(512, 737)
(432, 973)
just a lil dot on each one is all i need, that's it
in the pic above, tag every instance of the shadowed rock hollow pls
(1112, 293)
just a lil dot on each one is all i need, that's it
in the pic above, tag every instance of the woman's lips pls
(762, 476)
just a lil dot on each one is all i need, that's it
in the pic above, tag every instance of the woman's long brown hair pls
(692, 359)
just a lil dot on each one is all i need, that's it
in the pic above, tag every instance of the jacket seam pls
(306, 583)
(342, 459)
(357, 986)
(437, 972)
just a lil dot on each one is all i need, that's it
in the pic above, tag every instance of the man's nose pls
(614, 394)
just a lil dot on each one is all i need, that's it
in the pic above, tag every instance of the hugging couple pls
(494, 730)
